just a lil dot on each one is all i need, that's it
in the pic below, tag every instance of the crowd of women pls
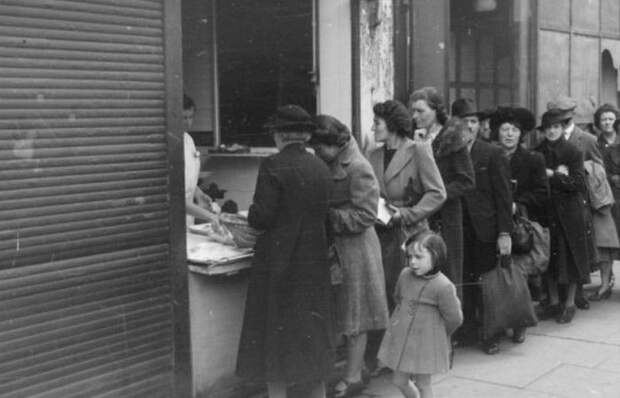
(327, 269)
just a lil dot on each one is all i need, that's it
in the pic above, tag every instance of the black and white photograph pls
(309, 198)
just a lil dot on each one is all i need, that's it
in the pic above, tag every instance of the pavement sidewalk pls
(576, 360)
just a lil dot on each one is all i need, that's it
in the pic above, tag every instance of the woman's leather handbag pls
(505, 299)
(536, 261)
(522, 234)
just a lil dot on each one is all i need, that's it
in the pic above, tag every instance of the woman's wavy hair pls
(330, 131)
(434, 100)
(396, 115)
(603, 109)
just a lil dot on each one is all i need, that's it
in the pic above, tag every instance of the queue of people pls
(402, 293)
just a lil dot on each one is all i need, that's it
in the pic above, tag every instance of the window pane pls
(198, 78)
(259, 67)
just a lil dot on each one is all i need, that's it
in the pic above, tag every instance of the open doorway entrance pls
(481, 58)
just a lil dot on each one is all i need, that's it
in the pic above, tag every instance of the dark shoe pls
(518, 335)
(350, 389)
(490, 347)
(597, 296)
(567, 315)
(548, 311)
(582, 303)
(380, 370)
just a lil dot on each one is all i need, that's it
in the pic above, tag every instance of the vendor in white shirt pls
(203, 207)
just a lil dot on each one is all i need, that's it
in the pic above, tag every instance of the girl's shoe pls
(351, 389)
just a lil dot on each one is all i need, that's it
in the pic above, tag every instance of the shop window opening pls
(242, 59)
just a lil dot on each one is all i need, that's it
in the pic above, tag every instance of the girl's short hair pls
(435, 246)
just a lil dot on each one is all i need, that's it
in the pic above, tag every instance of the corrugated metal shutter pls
(85, 289)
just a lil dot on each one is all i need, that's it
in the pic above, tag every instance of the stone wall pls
(376, 67)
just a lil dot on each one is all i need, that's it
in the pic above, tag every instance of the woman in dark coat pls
(569, 263)
(456, 169)
(361, 304)
(288, 320)
(509, 127)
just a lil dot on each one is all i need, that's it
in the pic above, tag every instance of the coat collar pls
(399, 161)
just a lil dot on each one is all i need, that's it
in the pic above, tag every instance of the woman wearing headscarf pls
(509, 126)
(606, 219)
(568, 264)
(287, 323)
(361, 304)
(456, 169)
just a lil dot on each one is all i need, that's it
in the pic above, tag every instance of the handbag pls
(506, 302)
(536, 261)
(522, 234)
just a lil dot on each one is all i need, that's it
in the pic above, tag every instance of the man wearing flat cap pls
(287, 321)
(586, 143)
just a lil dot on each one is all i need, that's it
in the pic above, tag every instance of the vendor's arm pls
(205, 201)
(434, 192)
(360, 212)
(193, 209)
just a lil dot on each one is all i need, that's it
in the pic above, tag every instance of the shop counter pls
(218, 280)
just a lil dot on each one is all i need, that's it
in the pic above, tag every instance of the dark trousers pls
(478, 257)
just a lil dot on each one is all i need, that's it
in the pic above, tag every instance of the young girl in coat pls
(417, 341)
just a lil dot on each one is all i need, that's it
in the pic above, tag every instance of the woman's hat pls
(551, 117)
(291, 118)
(520, 117)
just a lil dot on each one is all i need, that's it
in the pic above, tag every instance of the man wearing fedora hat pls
(487, 218)
(587, 145)
(287, 323)
(465, 109)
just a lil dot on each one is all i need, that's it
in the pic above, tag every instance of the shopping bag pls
(506, 302)
(522, 235)
(536, 261)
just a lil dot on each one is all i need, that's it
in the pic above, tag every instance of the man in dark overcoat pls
(587, 145)
(287, 326)
(487, 224)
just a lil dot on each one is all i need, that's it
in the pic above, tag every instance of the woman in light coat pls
(361, 303)
(411, 185)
